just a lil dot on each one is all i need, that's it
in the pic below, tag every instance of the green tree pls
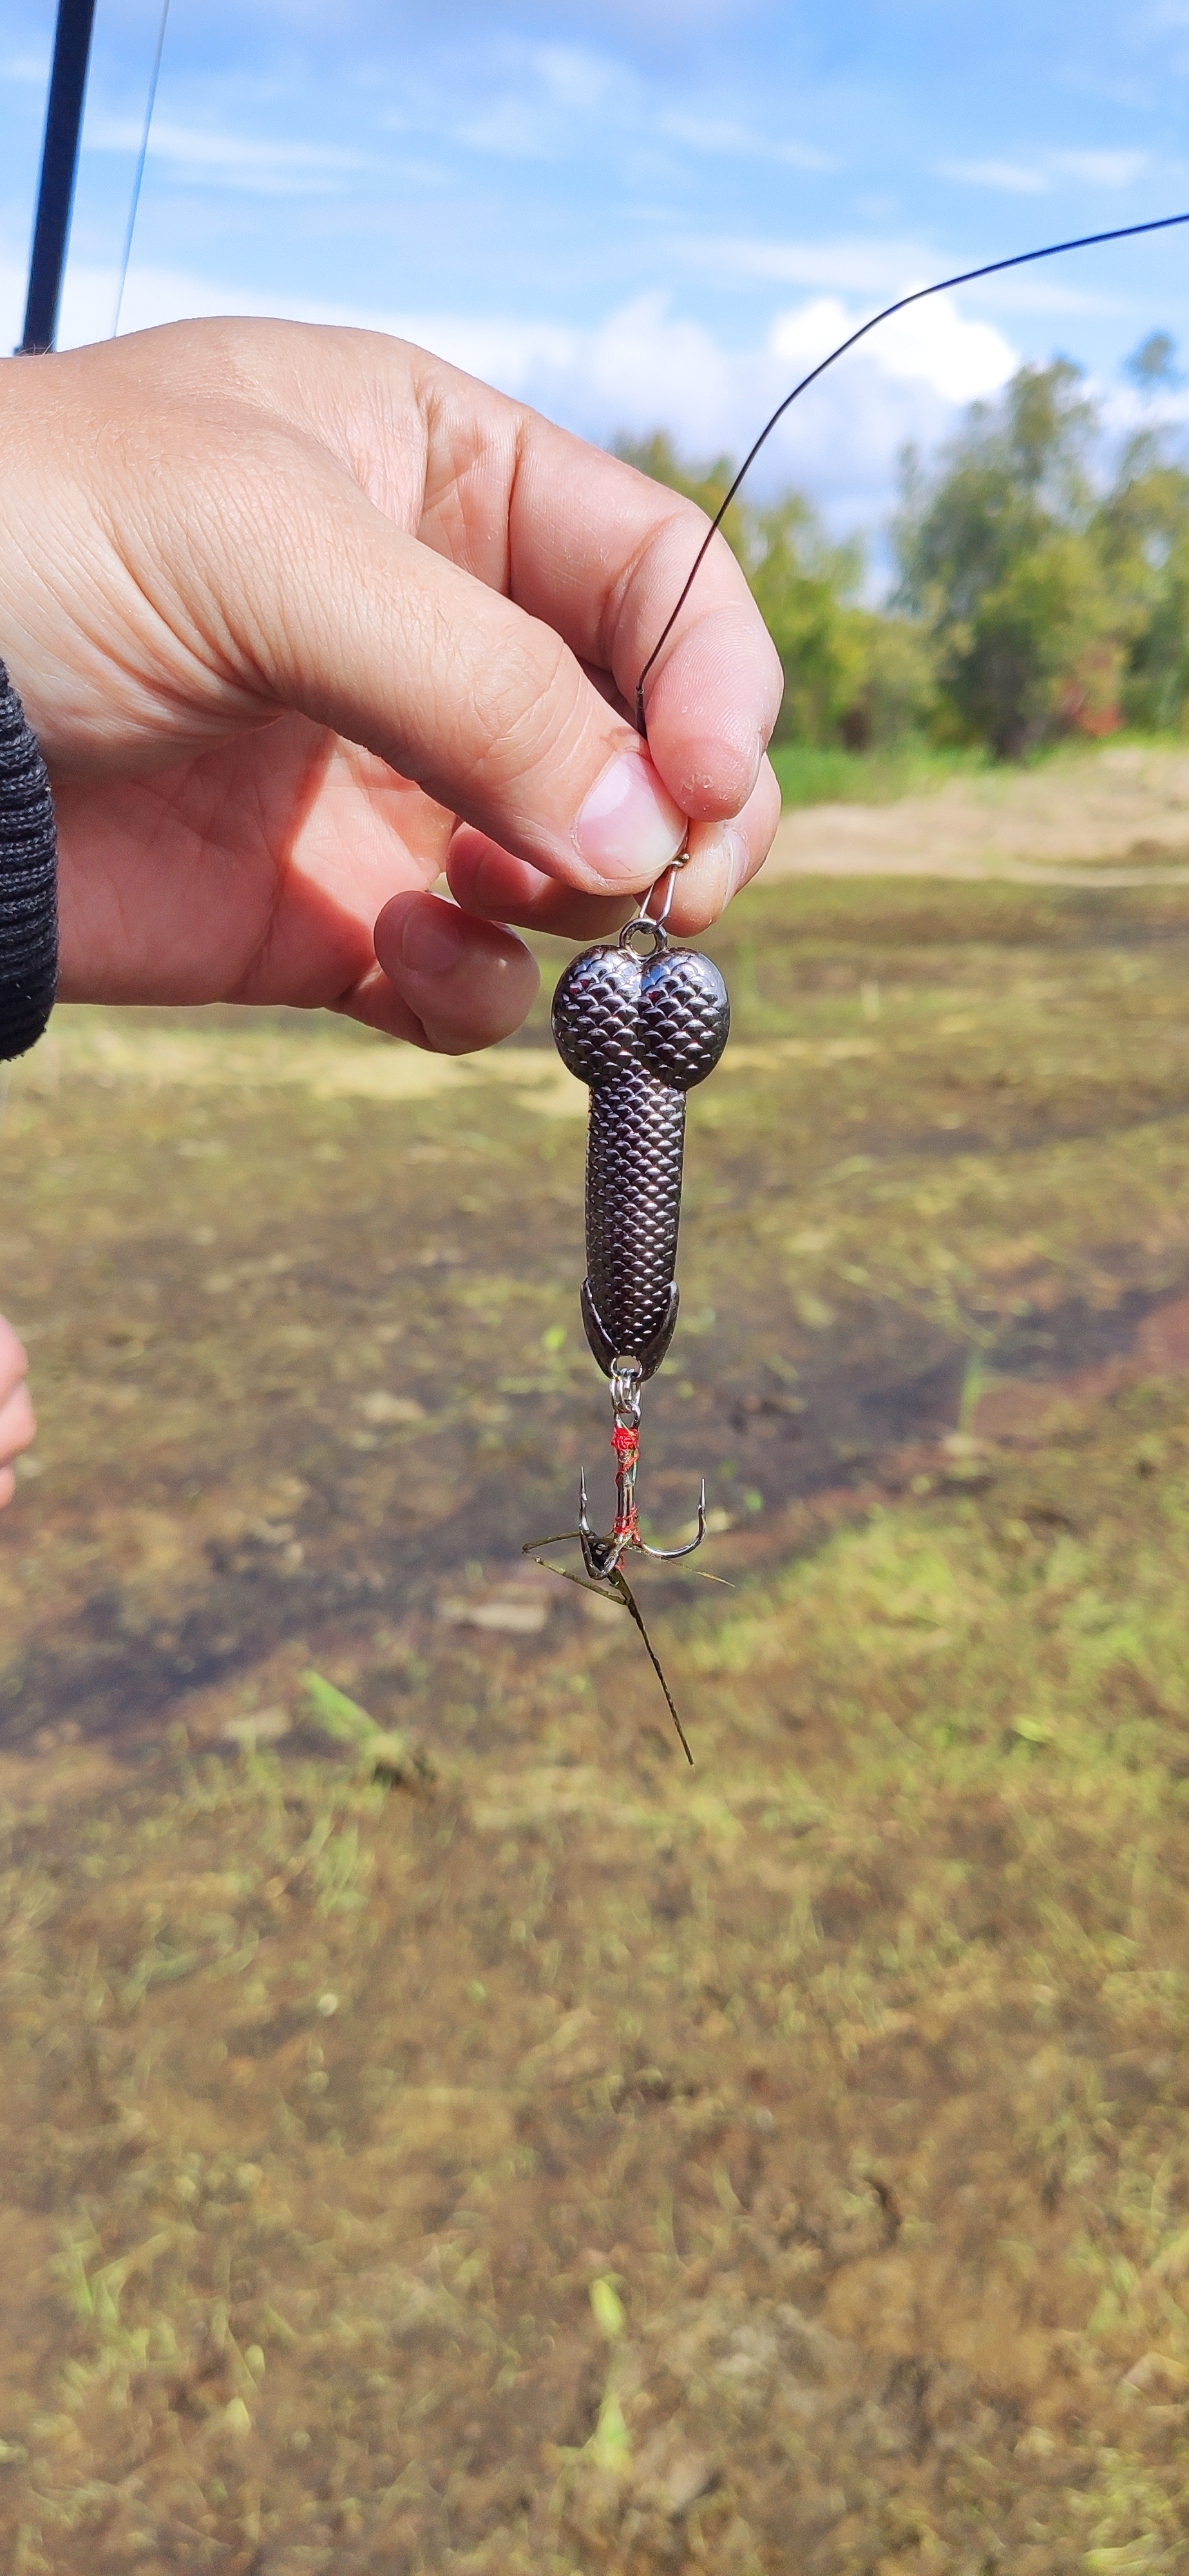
(898, 692)
(1143, 534)
(841, 681)
(708, 485)
(805, 589)
(1152, 367)
(1000, 560)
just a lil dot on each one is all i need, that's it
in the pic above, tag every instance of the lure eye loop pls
(654, 922)
(643, 928)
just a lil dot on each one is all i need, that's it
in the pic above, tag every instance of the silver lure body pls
(640, 1032)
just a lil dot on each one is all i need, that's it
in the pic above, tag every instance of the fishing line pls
(144, 146)
(641, 1032)
(992, 268)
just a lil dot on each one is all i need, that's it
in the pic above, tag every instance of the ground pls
(491, 2146)
(1117, 817)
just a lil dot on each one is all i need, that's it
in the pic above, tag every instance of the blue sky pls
(637, 215)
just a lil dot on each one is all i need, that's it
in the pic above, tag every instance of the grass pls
(826, 774)
(437, 2131)
(817, 774)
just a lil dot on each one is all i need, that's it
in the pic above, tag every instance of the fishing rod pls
(59, 170)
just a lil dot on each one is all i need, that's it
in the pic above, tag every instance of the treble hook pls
(626, 1381)
(640, 1028)
(603, 1557)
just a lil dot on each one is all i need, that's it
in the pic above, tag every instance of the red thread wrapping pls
(625, 1441)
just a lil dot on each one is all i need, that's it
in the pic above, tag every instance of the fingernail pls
(738, 855)
(428, 937)
(716, 869)
(629, 824)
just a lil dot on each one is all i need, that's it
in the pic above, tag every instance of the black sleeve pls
(28, 881)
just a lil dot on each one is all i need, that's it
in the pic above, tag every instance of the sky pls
(649, 214)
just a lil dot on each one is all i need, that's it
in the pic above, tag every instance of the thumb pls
(341, 614)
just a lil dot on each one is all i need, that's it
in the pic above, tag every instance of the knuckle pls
(526, 705)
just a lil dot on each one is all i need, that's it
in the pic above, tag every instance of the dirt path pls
(1115, 817)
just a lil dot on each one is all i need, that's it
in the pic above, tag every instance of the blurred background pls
(437, 2131)
(649, 220)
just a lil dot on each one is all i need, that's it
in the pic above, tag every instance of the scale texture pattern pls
(596, 1011)
(633, 1203)
(640, 1033)
(685, 1017)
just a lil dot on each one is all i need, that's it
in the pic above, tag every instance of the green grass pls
(817, 774)
(826, 774)
(854, 2073)
(438, 2132)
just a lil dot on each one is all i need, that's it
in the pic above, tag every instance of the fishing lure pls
(641, 1030)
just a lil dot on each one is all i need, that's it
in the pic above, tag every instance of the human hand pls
(17, 1425)
(303, 617)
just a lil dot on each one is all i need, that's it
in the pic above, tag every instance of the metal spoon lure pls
(640, 1026)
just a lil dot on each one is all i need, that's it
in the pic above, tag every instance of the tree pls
(1152, 367)
(1032, 601)
(806, 589)
(708, 485)
(999, 561)
(1143, 534)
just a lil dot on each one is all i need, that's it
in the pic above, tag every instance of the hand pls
(303, 617)
(17, 1425)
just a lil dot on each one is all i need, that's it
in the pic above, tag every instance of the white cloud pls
(1102, 169)
(538, 103)
(804, 337)
(864, 266)
(237, 160)
(1124, 410)
(728, 136)
(32, 67)
(1039, 176)
(577, 80)
(514, 127)
(645, 367)
(932, 344)
(880, 270)
(571, 97)
(1040, 290)
(1015, 178)
(543, 101)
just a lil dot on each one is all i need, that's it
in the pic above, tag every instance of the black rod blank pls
(59, 165)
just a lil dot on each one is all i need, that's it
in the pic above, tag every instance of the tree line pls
(1037, 593)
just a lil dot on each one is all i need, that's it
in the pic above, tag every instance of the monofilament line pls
(991, 268)
(136, 184)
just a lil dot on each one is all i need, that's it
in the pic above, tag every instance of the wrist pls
(28, 881)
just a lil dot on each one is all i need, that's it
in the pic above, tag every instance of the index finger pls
(599, 552)
(574, 537)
